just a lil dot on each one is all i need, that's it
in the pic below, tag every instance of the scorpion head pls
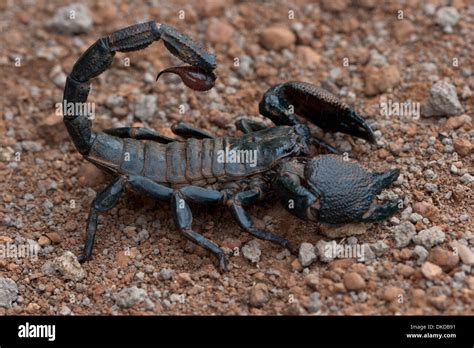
(345, 191)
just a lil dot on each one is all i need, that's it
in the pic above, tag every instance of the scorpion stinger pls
(199, 75)
(192, 76)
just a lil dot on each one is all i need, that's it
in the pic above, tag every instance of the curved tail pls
(99, 57)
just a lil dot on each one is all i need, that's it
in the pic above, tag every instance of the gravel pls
(142, 236)
(447, 17)
(466, 178)
(314, 303)
(72, 19)
(145, 107)
(245, 66)
(251, 251)
(341, 231)
(68, 266)
(8, 292)
(65, 310)
(353, 281)
(113, 101)
(429, 237)
(259, 295)
(277, 38)
(129, 297)
(465, 253)
(446, 259)
(31, 146)
(324, 250)
(431, 271)
(442, 101)
(420, 253)
(430, 187)
(403, 234)
(306, 254)
(165, 274)
(379, 248)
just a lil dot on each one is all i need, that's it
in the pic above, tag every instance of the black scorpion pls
(313, 186)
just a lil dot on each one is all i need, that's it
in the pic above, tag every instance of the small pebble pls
(353, 281)
(8, 292)
(251, 251)
(72, 19)
(259, 295)
(443, 101)
(447, 17)
(403, 234)
(429, 237)
(307, 254)
(128, 297)
(431, 271)
(277, 38)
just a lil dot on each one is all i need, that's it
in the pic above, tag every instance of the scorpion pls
(321, 185)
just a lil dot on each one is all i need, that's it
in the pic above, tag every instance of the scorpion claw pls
(379, 212)
(346, 190)
(315, 104)
(193, 77)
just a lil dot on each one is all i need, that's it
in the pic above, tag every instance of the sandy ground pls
(418, 262)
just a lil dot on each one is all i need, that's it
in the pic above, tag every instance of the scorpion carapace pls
(234, 171)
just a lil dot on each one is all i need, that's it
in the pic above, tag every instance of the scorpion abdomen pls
(196, 161)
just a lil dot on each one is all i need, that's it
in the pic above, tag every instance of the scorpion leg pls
(105, 200)
(139, 133)
(324, 145)
(182, 215)
(295, 198)
(186, 131)
(248, 126)
(245, 221)
(150, 188)
(183, 219)
(281, 103)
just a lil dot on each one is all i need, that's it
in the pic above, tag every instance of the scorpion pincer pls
(289, 162)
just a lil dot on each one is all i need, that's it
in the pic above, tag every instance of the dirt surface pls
(418, 262)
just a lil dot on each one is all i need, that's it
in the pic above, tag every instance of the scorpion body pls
(196, 161)
(323, 188)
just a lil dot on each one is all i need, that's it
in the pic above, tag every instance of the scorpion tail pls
(92, 62)
(99, 56)
(282, 102)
